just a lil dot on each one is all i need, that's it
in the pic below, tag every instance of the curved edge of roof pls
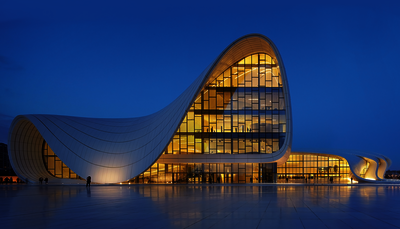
(114, 150)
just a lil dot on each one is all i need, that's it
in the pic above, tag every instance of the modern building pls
(232, 125)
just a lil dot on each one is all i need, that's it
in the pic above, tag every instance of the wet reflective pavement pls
(201, 206)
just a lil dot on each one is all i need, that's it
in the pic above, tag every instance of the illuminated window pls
(55, 166)
(246, 98)
(316, 169)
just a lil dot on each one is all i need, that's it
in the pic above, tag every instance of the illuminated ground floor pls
(299, 168)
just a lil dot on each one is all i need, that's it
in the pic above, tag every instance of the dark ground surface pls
(200, 206)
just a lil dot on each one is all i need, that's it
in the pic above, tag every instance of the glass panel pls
(58, 167)
(65, 173)
(254, 59)
(213, 104)
(198, 123)
(51, 163)
(191, 144)
(183, 141)
(50, 151)
(220, 99)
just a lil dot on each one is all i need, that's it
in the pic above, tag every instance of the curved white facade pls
(115, 150)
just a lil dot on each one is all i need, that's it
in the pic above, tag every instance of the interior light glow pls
(369, 178)
(242, 74)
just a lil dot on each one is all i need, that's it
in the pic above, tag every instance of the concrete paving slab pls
(199, 206)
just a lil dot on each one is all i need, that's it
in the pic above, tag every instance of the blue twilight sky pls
(131, 58)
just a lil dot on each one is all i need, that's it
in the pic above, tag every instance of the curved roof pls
(114, 150)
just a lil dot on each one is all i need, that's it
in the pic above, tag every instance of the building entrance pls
(268, 173)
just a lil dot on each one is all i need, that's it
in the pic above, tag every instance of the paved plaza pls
(200, 206)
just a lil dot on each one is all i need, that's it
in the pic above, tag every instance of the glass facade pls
(308, 168)
(207, 173)
(242, 111)
(55, 166)
(299, 168)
